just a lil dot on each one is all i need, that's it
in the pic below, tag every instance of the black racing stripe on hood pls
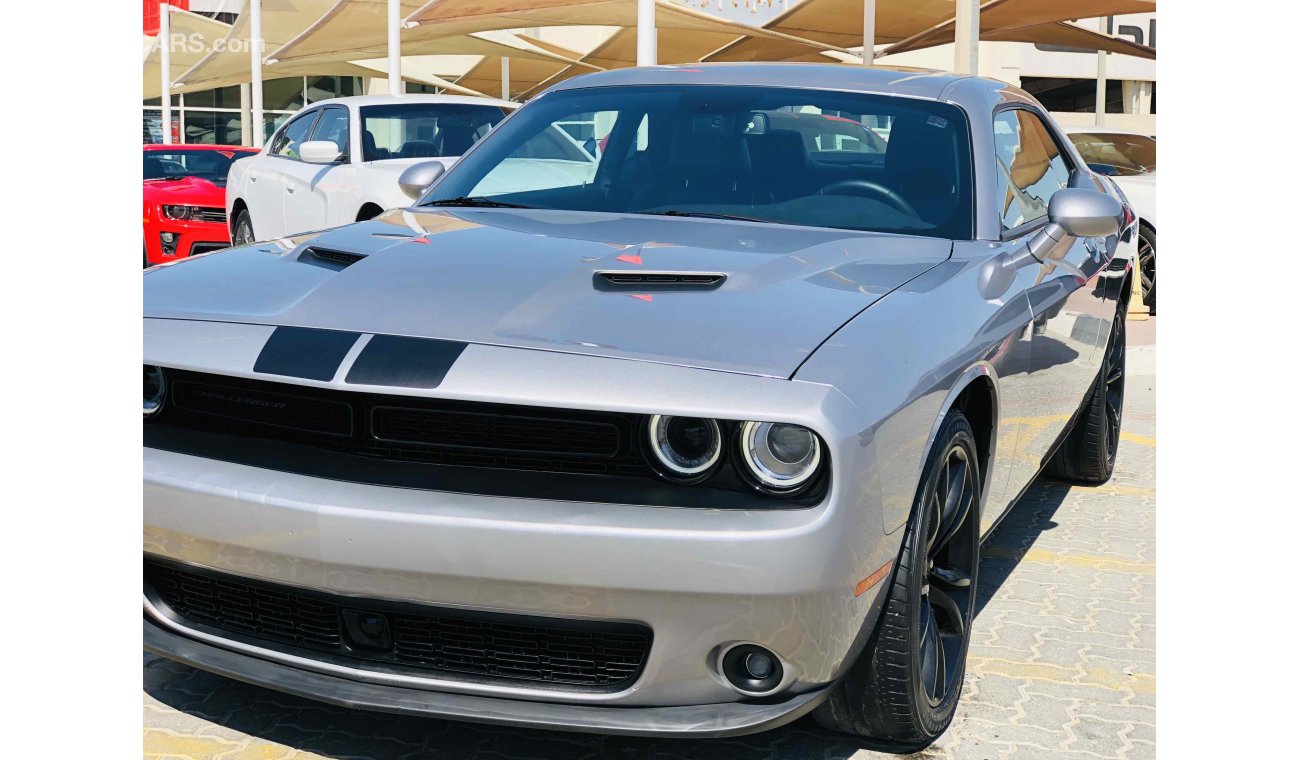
(304, 352)
(396, 361)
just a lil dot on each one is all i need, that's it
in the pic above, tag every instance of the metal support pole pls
(245, 116)
(505, 78)
(646, 34)
(395, 48)
(255, 80)
(967, 37)
(165, 67)
(1103, 26)
(868, 32)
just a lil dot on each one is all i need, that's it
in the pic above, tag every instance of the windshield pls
(424, 130)
(1116, 154)
(211, 165)
(769, 154)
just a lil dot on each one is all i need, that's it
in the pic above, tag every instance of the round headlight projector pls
(780, 456)
(155, 389)
(685, 447)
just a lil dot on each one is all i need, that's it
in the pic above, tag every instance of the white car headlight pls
(686, 448)
(155, 389)
(780, 456)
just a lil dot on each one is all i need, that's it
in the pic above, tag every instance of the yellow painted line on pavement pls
(1045, 557)
(1141, 683)
(1119, 490)
(162, 742)
(1141, 440)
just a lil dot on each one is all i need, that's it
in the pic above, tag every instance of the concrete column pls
(967, 37)
(1100, 103)
(505, 78)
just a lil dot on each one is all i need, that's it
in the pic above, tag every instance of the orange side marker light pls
(872, 579)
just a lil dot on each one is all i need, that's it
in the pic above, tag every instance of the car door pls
(267, 189)
(1067, 298)
(312, 191)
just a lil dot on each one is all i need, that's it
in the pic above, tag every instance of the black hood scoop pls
(644, 281)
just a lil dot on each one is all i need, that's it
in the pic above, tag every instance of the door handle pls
(252, 179)
(289, 189)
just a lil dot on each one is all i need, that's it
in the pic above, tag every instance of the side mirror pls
(418, 177)
(1085, 213)
(1072, 212)
(319, 152)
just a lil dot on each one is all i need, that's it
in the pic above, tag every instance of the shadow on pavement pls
(337, 732)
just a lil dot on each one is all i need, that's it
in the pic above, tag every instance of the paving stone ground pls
(1062, 660)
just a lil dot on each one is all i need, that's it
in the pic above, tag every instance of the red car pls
(185, 199)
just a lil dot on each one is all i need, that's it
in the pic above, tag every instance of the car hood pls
(529, 279)
(193, 191)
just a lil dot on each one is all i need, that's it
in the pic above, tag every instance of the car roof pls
(375, 100)
(885, 80)
(199, 146)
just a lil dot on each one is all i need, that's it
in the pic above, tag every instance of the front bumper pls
(696, 721)
(191, 237)
(700, 579)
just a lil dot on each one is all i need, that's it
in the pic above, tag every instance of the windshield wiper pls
(476, 202)
(705, 215)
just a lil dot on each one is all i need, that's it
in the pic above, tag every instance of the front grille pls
(207, 214)
(576, 655)
(409, 429)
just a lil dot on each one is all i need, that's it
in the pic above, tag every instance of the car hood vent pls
(330, 258)
(642, 281)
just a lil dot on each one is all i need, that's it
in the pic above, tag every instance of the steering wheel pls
(871, 188)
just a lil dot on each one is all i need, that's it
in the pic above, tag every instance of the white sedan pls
(338, 161)
(1128, 158)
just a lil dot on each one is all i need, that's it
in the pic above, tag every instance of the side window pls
(294, 134)
(333, 126)
(1030, 167)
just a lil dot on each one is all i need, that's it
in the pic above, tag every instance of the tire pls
(368, 212)
(146, 257)
(1146, 264)
(1087, 455)
(243, 232)
(886, 694)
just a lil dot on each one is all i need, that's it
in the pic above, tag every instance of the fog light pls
(169, 243)
(168, 237)
(752, 670)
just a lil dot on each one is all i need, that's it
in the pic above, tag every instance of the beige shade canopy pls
(1040, 21)
(839, 23)
(198, 33)
(281, 19)
(619, 51)
(353, 25)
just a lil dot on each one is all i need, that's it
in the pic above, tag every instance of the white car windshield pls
(770, 154)
(424, 130)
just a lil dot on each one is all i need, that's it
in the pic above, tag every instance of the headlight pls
(180, 213)
(155, 389)
(781, 457)
(686, 448)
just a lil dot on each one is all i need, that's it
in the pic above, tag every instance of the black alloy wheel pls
(903, 689)
(1147, 265)
(947, 596)
(1087, 455)
(243, 229)
(1113, 370)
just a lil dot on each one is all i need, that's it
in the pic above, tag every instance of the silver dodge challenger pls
(679, 406)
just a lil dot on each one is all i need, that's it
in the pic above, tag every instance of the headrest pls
(708, 140)
(455, 136)
(778, 150)
(920, 142)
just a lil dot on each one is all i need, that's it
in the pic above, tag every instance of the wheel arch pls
(235, 208)
(975, 394)
(369, 210)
